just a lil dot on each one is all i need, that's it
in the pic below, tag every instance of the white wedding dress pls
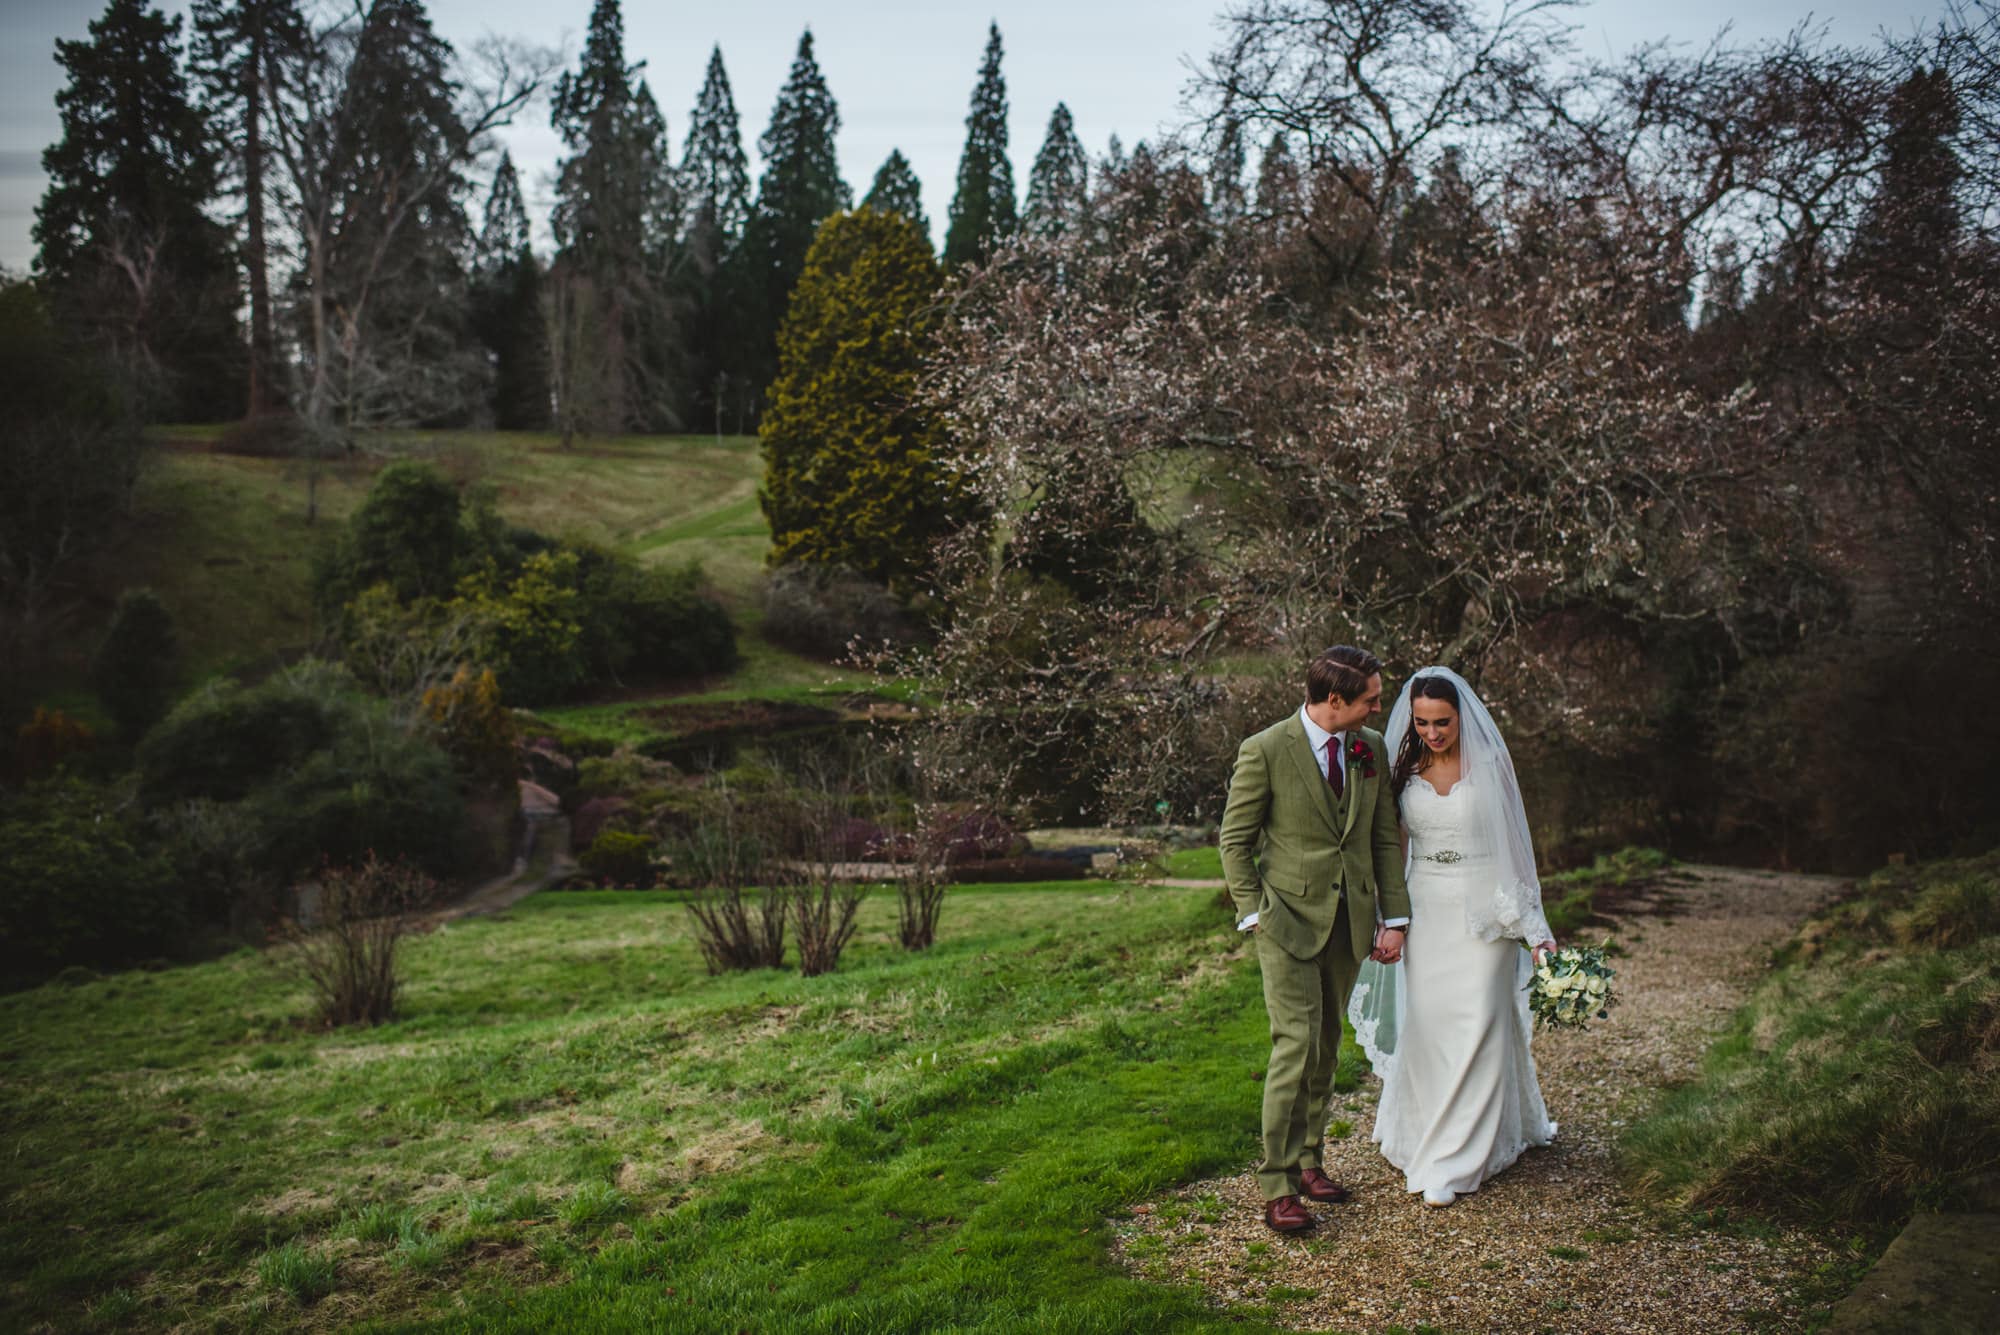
(1460, 1100)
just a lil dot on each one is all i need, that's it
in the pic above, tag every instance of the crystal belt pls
(1444, 855)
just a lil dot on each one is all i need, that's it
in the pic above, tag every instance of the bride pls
(1447, 1029)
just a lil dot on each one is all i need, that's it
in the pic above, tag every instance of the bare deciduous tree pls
(730, 861)
(345, 938)
(349, 214)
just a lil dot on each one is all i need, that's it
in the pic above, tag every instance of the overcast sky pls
(901, 70)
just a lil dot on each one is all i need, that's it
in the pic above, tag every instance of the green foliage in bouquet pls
(1571, 987)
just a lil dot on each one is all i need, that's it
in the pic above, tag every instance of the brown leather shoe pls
(1288, 1214)
(1322, 1188)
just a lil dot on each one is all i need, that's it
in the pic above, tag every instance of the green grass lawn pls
(1196, 864)
(572, 1126)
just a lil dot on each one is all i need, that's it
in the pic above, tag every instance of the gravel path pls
(1552, 1243)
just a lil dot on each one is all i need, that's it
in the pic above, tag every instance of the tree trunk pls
(263, 356)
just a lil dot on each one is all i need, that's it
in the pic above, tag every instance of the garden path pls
(1553, 1243)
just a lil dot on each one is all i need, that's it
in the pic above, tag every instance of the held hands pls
(1388, 945)
(1537, 952)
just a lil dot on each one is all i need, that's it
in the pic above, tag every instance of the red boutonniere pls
(1360, 753)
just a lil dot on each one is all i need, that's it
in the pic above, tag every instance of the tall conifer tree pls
(1913, 224)
(801, 185)
(897, 190)
(1059, 184)
(508, 308)
(128, 256)
(715, 184)
(715, 173)
(1280, 193)
(1114, 157)
(1227, 199)
(611, 303)
(851, 472)
(982, 212)
(239, 50)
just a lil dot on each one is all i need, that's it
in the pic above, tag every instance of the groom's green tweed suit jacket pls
(1290, 851)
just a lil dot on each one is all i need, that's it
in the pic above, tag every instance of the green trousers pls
(1306, 1000)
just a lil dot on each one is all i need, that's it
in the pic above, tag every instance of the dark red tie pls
(1333, 767)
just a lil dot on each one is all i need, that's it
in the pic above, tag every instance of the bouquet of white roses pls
(1570, 987)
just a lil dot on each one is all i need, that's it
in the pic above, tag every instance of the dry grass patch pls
(731, 1147)
(298, 1200)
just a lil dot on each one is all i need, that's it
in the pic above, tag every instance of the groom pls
(1310, 850)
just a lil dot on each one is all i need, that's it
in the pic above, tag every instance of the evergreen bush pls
(474, 728)
(620, 858)
(851, 475)
(650, 622)
(314, 768)
(138, 664)
(45, 741)
(407, 534)
(84, 883)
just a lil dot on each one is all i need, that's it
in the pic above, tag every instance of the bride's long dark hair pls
(1410, 755)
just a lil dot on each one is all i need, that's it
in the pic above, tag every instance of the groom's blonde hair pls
(1343, 671)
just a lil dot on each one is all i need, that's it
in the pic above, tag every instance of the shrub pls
(406, 534)
(823, 913)
(313, 769)
(592, 818)
(856, 839)
(72, 447)
(626, 773)
(136, 666)
(476, 730)
(820, 610)
(619, 857)
(345, 937)
(83, 883)
(724, 855)
(274, 436)
(401, 650)
(527, 629)
(1951, 913)
(650, 622)
(1015, 870)
(1569, 899)
(973, 836)
(45, 741)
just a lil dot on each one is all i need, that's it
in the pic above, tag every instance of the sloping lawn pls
(573, 1126)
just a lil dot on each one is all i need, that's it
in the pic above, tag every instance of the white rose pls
(1597, 987)
(1555, 987)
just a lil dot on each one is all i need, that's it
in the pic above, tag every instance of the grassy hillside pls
(1861, 1083)
(227, 543)
(574, 1127)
